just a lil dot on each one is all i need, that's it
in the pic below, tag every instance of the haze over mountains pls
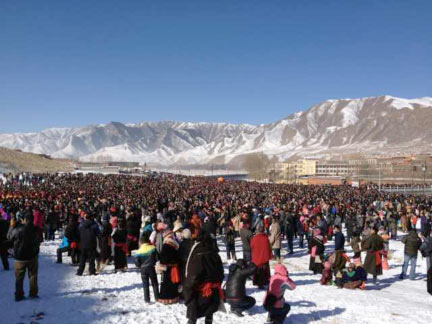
(377, 125)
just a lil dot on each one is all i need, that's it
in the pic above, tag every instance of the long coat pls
(260, 248)
(315, 262)
(203, 267)
(373, 244)
(275, 236)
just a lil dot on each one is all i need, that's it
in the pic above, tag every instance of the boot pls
(209, 319)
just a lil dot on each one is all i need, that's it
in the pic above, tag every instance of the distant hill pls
(376, 125)
(17, 161)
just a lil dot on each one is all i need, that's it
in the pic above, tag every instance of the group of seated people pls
(352, 277)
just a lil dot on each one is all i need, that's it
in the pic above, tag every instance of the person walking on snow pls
(412, 245)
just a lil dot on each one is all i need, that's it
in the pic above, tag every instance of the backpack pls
(426, 248)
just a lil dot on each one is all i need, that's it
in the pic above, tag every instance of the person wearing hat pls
(374, 246)
(316, 248)
(169, 266)
(178, 227)
(25, 238)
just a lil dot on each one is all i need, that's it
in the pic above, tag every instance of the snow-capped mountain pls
(374, 124)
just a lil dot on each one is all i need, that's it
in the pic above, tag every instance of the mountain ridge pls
(370, 124)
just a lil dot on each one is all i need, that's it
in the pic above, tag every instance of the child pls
(120, 247)
(230, 243)
(274, 301)
(64, 247)
(145, 259)
(354, 277)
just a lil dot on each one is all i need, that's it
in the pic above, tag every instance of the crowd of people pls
(171, 224)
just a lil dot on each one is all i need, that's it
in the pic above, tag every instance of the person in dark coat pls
(230, 243)
(316, 248)
(426, 251)
(184, 250)
(133, 230)
(374, 245)
(339, 239)
(51, 223)
(145, 260)
(105, 244)
(412, 245)
(349, 225)
(429, 281)
(88, 232)
(289, 228)
(119, 238)
(169, 262)
(25, 238)
(246, 236)
(72, 235)
(4, 243)
(203, 279)
(235, 291)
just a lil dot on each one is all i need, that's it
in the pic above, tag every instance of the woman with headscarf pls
(120, 247)
(169, 266)
(316, 248)
(274, 301)
(261, 256)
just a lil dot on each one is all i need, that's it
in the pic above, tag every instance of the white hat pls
(177, 227)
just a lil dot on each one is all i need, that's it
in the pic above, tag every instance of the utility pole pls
(424, 177)
(379, 178)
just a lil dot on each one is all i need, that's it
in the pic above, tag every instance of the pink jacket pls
(279, 282)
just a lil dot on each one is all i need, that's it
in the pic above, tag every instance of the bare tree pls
(256, 165)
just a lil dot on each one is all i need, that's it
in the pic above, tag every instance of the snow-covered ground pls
(118, 298)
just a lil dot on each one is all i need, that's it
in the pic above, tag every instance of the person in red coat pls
(261, 256)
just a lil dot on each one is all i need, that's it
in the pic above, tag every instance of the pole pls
(379, 178)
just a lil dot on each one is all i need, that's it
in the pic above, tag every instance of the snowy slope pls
(373, 124)
(118, 298)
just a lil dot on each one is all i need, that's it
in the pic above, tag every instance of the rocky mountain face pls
(384, 124)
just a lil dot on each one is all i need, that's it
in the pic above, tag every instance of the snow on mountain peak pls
(372, 125)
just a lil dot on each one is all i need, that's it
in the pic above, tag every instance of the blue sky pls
(73, 63)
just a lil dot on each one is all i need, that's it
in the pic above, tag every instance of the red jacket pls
(260, 249)
(37, 219)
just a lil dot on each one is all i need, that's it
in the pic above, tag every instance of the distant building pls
(128, 165)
